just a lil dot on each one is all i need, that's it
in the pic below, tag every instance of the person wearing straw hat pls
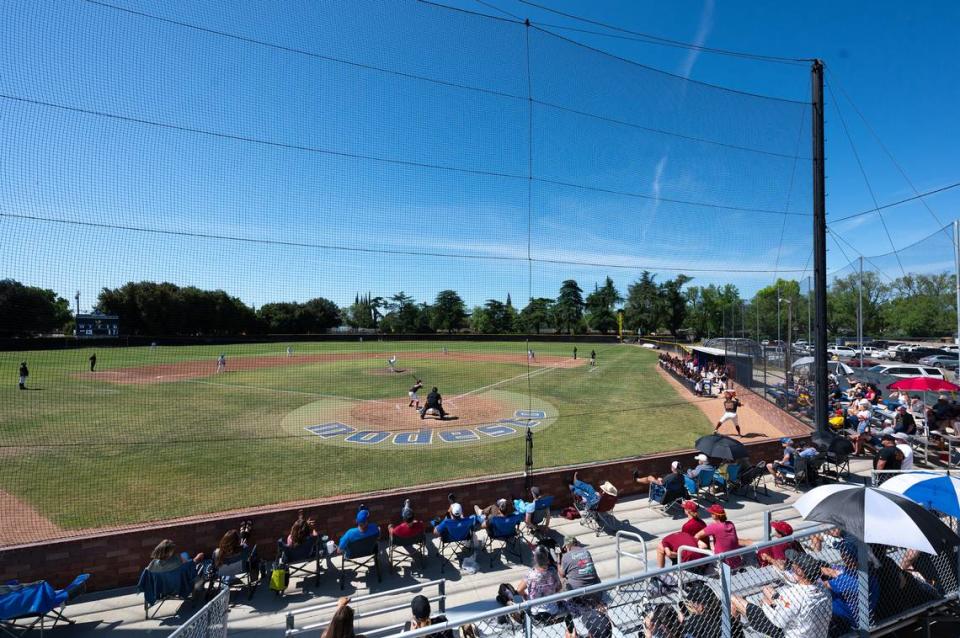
(608, 496)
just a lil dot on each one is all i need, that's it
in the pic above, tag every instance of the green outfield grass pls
(86, 452)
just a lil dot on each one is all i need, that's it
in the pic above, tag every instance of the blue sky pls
(112, 118)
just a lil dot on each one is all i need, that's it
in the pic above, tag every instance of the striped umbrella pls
(934, 491)
(877, 516)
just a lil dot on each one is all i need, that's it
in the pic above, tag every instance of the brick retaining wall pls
(115, 558)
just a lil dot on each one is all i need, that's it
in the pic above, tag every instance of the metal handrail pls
(620, 552)
(441, 596)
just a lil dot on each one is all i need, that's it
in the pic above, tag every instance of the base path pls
(186, 370)
(752, 424)
(20, 523)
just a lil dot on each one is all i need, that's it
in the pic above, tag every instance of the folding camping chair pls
(239, 573)
(597, 517)
(661, 501)
(413, 549)
(541, 511)
(798, 474)
(362, 553)
(458, 537)
(23, 607)
(503, 529)
(700, 486)
(751, 478)
(298, 559)
(159, 587)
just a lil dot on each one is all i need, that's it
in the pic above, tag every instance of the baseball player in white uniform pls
(392, 363)
(414, 394)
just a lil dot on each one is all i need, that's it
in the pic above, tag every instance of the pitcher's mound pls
(397, 415)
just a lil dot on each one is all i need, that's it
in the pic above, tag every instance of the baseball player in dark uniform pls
(593, 358)
(434, 402)
(24, 373)
(730, 405)
(413, 394)
(93, 362)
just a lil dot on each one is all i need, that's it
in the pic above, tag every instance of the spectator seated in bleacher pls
(904, 421)
(457, 527)
(420, 608)
(686, 537)
(798, 610)
(584, 494)
(843, 583)
(703, 465)
(541, 581)
(661, 622)
(536, 511)
(501, 508)
(672, 482)
(776, 555)
(364, 529)
(164, 557)
(409, 527)
(721, 536)
(786, 463)
(702, 615)
(225, 556)
(341, 625)
(299, 532)
(170, 574)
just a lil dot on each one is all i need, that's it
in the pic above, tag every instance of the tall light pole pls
(860, 313)
(786, 355)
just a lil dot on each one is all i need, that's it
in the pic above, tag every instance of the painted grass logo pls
(521, 421)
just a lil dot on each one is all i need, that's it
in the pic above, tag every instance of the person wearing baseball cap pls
(786, 463)
(686, 537)
(410, 527)
(903, 444)
(777, 554)
(904, 421)
(420, 610)
(672, 482)
(364, 529)
(457, 527)
(703, 464)
(576, 565)
(888, 457)
(720, 535)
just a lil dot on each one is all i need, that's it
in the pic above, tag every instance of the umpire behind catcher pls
(434, 402)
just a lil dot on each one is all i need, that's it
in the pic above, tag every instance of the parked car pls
(915, 354)
(869, 351)
(951, 347)
(907, 371)
(947, 361)
(841, 351)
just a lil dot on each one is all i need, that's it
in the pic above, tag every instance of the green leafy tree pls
(673, 303)
(449, 312)
(27, 310)
(600, 306)
(568, 309)
(536, 314)
(642, 310)
(922, 306)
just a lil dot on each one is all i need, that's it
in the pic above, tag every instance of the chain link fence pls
(210, 621)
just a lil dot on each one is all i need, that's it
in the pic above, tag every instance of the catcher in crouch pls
(434, 402)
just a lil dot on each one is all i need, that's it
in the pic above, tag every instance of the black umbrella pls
(723, 447)
(832, 443)
(877, 516)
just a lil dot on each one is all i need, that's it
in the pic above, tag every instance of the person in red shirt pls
(722, 533)
(686, 537)
(410, 527)
(777, 554)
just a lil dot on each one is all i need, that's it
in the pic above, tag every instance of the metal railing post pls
(863, 589)
(527, 625)
(766, 524)
(442, 592)
(725, 596)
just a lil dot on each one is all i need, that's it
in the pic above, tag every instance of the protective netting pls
(359, 171)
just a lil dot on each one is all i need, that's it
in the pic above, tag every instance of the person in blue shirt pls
(585, 492)
(844, 584)
(364, 529)
(457, 527)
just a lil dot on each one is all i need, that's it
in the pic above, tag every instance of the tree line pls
(913, 305)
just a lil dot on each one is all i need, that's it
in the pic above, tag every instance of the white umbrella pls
(837, 367)
(877, 516)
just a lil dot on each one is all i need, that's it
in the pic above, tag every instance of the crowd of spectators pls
(707, 378)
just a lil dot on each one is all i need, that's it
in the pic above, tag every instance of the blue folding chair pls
(503, 529)
(457, 534)
(361, 552)
(159, 587)
(23, 607)
(662, 501)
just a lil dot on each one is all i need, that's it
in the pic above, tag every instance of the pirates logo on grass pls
(471, 420)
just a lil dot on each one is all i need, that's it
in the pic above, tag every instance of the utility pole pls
(860, 313)
(787, 372)
(77, 297)
(956, 257)
(819, 249)
(809, 312)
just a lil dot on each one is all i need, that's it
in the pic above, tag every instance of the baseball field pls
(158, 432)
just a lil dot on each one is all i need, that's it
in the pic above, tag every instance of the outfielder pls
(414, 394)
(222, 363)
(730, 405)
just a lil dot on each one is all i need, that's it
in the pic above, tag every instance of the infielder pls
(221, 363)
(414, 394)
(730, 405)
(289, 351)
(593, 358)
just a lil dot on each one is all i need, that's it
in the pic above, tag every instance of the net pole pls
(819, 249)
(860, 313)
(956, 274)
